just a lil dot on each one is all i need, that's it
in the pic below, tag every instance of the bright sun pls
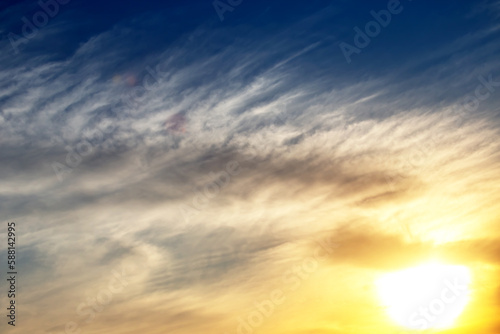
(428, 296)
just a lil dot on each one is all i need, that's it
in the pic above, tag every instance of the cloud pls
(364, 246)
(386, 164)
(473, 250)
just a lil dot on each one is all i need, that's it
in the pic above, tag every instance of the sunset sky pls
(241, 167)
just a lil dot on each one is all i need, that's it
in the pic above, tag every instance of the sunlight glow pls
(428, 296)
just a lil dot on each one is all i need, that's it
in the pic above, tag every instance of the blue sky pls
(208, 156)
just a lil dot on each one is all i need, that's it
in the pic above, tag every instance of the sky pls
(247, 167)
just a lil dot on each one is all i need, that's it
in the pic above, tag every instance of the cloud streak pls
(385, 165)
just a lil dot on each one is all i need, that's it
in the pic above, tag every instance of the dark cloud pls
(473, 250)
(206, 255)
(365, 246)
(362, 244)
(115, 251)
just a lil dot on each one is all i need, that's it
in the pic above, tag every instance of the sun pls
(430, 296)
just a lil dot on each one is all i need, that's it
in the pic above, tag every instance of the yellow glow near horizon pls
(424, 297)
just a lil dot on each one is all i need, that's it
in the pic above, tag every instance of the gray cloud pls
(344, 150)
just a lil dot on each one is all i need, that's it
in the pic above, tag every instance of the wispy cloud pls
(317, 156)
